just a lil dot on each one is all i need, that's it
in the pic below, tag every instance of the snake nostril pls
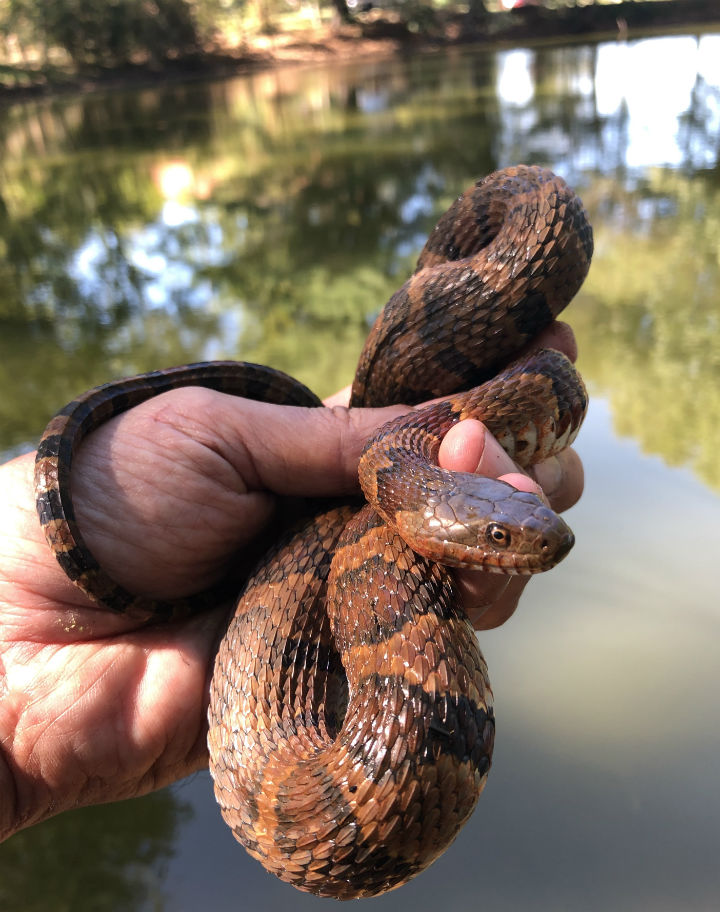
(565, 546)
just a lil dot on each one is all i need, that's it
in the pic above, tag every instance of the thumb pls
(288, 450)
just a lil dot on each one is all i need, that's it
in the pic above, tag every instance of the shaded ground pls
(378, 34)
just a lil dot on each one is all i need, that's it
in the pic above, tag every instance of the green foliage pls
(300, 215)
(116, 30)
(108, 858)
(295, 235)
(650, 320)
(111, 33)
(117, 33)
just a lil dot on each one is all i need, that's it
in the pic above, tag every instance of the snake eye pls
(497, 535)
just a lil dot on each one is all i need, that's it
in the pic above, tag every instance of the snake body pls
(351, 721)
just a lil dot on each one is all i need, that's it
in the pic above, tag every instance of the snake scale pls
(351, 721)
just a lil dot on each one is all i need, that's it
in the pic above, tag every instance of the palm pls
(119, 709)
(118, 715)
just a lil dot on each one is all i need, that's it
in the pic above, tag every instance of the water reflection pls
(103, 858)
(613, 108)
(673, 112)
(650, 335)
(248, 218)
(268, 219)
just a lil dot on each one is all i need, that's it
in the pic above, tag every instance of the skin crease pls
(95, 708)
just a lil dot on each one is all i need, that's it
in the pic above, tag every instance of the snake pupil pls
(498, 535)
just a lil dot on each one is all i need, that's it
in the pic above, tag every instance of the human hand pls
(96, 708)
(490, 599)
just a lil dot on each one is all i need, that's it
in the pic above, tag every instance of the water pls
(268, 219)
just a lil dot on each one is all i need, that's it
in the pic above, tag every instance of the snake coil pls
(351, 720)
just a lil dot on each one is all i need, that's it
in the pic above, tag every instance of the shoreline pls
(374, 38)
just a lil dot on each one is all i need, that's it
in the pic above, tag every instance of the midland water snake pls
(350, 743)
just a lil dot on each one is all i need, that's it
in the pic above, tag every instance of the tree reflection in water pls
(269, 219)
(104, 858)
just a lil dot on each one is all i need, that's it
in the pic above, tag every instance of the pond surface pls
(268, 219)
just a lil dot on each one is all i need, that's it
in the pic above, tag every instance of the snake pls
(351, 721)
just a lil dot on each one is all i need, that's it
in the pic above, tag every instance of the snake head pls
(485, 524)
